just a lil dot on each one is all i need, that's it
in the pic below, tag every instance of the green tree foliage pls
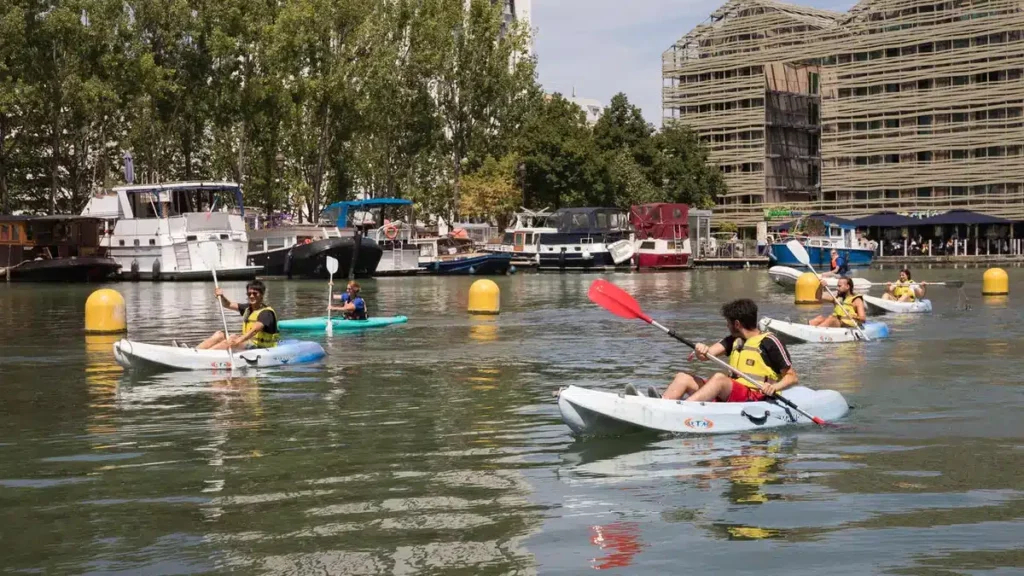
(310, 101)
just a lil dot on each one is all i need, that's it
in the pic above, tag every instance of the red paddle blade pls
(615, 300)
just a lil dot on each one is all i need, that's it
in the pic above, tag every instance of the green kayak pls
(339, 323)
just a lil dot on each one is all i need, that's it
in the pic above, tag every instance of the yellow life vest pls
(262, 339)
(847, 319)
(748, 359)
(901, 288)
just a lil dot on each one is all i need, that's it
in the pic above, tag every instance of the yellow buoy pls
(995, 282)
(807, 289)
(104, 313)
(484, 297)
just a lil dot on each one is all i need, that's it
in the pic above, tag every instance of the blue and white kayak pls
(792, 333)
(138, 355)
(339, 323)
(597, 413)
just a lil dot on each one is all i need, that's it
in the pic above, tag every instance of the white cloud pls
(602, 47)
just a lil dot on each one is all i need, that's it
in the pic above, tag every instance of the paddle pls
(798, 251)
(618, 302)
(211, 255)
(952, 284)
(332, 267)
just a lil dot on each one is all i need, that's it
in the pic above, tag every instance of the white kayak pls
(786, 276)
(138, 355)
(593, 412)
(792, 333)
(882, 305)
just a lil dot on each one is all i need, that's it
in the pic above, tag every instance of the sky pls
(603, 47)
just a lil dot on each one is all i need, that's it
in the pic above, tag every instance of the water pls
(436, 447)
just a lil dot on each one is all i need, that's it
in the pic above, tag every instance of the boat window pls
(136, 241)
(586, 240)
(273, 243)
(223, 236)
(120, 242)
(256, 246)
(152, 241)
(680, 245)
(647, 245)
(602, 220)
(16, 233)
(577, 248)
(191, 237)
(677, 213)
(520, 239)
(3, 232)
(426, 250)
(580, 221)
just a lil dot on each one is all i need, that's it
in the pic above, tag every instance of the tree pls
(491, 191)
(622, 127)
(560, 159)
(14, 90)
(684, 168)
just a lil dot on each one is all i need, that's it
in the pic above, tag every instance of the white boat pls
(159, 229)
(141, 356)
(792, 333)
(882, 305)
(522, 238)
(595, 412)
(786, 276)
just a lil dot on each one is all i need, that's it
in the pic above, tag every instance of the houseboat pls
(458, 254)
(522, 238)
(386, 222)
(662, 236)
(302, 249)
(160, 229)
(819, 234)
(586, 239)
(53, 249)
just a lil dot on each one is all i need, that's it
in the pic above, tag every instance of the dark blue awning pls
(962, 217)
(887, 220)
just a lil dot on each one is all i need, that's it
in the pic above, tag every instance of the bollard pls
(995, 282)
(105, 313)
(807, 289)
(484, 297)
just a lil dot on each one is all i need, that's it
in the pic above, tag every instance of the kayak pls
(593, 412)
(791, 333)
(882, 305)
(786, 276)
(339, 323)
(139, 355)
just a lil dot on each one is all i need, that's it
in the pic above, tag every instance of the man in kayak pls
(904, 290)
(837, 266)
(849, 310)
(353, 307)
(758, 354)
(259, 322)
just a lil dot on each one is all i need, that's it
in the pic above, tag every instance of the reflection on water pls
(435, 447)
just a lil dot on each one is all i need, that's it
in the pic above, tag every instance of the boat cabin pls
(48, 237)
(444, 248)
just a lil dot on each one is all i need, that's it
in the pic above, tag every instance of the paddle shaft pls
(330, 294)
(724, 364)
(223, 319)
(856, 324)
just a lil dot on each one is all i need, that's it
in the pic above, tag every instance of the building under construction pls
(909, 106)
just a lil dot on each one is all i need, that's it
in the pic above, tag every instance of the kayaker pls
(849, 310)
(259, 324)
(904, 290)
(837, 266)
(759, 354)
(353, 307)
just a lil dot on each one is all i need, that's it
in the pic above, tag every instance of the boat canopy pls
(587, 220)
(342, 208)
(175, 198)
(826, 219)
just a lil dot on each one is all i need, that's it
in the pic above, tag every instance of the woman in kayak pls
(353, 307)
(259, 322)
(904, 290)
(849, 310)
(758, 354)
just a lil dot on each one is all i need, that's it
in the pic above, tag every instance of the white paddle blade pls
(799, 252)
(332, 265)
(210, 254)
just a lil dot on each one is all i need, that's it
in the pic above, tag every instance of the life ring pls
(391, 231)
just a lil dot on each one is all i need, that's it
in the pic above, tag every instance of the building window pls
(924, 156)
(892, 87)
(892, 123)
(892, 158)
(924, 192)
(958, 154)
(958, 191)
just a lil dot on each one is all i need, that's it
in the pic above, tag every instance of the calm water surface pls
(436, 447)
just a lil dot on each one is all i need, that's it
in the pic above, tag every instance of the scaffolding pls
(896, 105)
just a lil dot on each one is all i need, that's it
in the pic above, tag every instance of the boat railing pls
(713, 248)
(402, 233)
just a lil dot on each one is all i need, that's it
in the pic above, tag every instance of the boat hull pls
(596, 413)
(483, 264)
(792, 333)
(142, 356)
(339, 324)
(662, 261)
(310, 260)
(78, 269)
(883, 306)
(786, 276)
(820, 256)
